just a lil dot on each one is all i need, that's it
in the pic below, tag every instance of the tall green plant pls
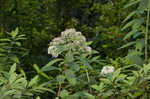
(11, 49)
(137, 30)
(73, 65)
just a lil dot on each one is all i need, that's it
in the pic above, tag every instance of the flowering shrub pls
(70, 39)
(76, 57)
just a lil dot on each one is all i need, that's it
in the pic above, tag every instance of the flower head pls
(89, 49)
(53, 51)
(68, 32)
(69, 39)
(107, 70)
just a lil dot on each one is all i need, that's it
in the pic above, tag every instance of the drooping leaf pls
(33, 81)
(36, 68)
(131, 3)
(129, 16)
(49, 66)
(130, 34)
(128, 24)
(128, 44)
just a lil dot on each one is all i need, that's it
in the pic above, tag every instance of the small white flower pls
(78, 33)
(57, 39)
(53, 51)
(89, 49)
(68, 32)
(107, 70)
(50, 48)
(77, 43)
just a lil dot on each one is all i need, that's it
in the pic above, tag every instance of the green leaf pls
(130, 34)
(116, 74)
(69, 57)
(15, 59)
(74, 67)
(129, 16)
(131, 3)
(49, 66)
(69, 74)
(18, 43)
(36, 68)
(128, 24)
(9, 92)
(38, 97)
(64, 93)
(45, 75)
(33, 81)
(108, 93)
(140, 44)
(89, 96)
(135, 73)
(138, 23)
(89, 43)
(146, 68)
(73, 81)
(56, 97)
(96, 87)
(5, 40)
(137, 93)
(144, 4)
(105, 80)
(127, 45)
(23, 73)
(135, 35)
(14, 33)
(12, 69)
(12, 78)
(134, 58)
(60, 78)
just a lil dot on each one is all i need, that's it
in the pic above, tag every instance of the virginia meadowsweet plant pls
(74, 50)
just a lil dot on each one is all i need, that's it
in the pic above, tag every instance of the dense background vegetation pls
(116, 30)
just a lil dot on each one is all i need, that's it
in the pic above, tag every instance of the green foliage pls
(137, 31)
(121, 84)
(15, 86)
(117, 29)
(11, 49)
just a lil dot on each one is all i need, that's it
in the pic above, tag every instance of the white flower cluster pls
(107, 70)
(69, 39)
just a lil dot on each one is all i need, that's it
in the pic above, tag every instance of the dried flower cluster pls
(70, 39)
(107, 70)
